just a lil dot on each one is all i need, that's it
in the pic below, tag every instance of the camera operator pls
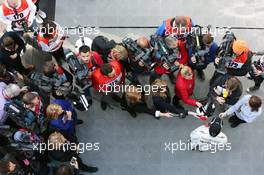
(235, 59)
(34, 102)
(106, 78)
(204, 53)
(7, 93)
(18, 15)
(54, 71)
(177, 50)
(241, 61)
(10, 54)
(140, 61)
(64, 153)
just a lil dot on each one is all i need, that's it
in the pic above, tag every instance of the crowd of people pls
(40, 106)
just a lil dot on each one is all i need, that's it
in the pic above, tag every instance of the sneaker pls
(209, 110)
(79, 122)
(89, 169)
(251, 89)
(231, 119)
(39, 20)
(249, 76)
(103, 105)
(133, 114)
(42, 14)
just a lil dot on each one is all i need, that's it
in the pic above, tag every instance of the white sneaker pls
(39, 20)
(248, 90)
(42, 14)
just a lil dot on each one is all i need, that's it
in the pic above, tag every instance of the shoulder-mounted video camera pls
(79, 70)
(225, 50)
(138, 52)
(198, 47)
(19, 114)
(48, 84)
(168, 56)
(25, 118)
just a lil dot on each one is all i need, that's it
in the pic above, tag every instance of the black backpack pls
(103, 46)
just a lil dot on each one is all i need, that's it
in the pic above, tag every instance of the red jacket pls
(184, 89)
(183, 54)
(95, 61)
(170, 30)
(102, 82)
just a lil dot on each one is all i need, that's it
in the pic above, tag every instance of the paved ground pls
(136, 146)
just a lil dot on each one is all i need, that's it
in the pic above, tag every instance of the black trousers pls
(234, 120)
(37, 5)
(176, 101)
(215, 76)
(258, 80)
(59, 55)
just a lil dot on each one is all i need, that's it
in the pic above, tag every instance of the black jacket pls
(231, 99)
(244, 69)
(164, 105)
(13, 64)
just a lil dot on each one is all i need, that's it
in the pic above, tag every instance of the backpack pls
(103, 46)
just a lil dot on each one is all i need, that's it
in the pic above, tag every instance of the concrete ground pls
(137, 146)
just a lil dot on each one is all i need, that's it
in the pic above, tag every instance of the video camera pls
(198, 47)
(257, 65)
(46, 83)
(225, 51)
(79, 70)
(24, 117)
(19, 114)
(138, 52)
(169, 56)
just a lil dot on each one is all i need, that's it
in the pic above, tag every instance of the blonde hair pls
(133, 95)
(119, 52)
(161, 84)
(56, 139)
(53, 111)
(186, 71)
